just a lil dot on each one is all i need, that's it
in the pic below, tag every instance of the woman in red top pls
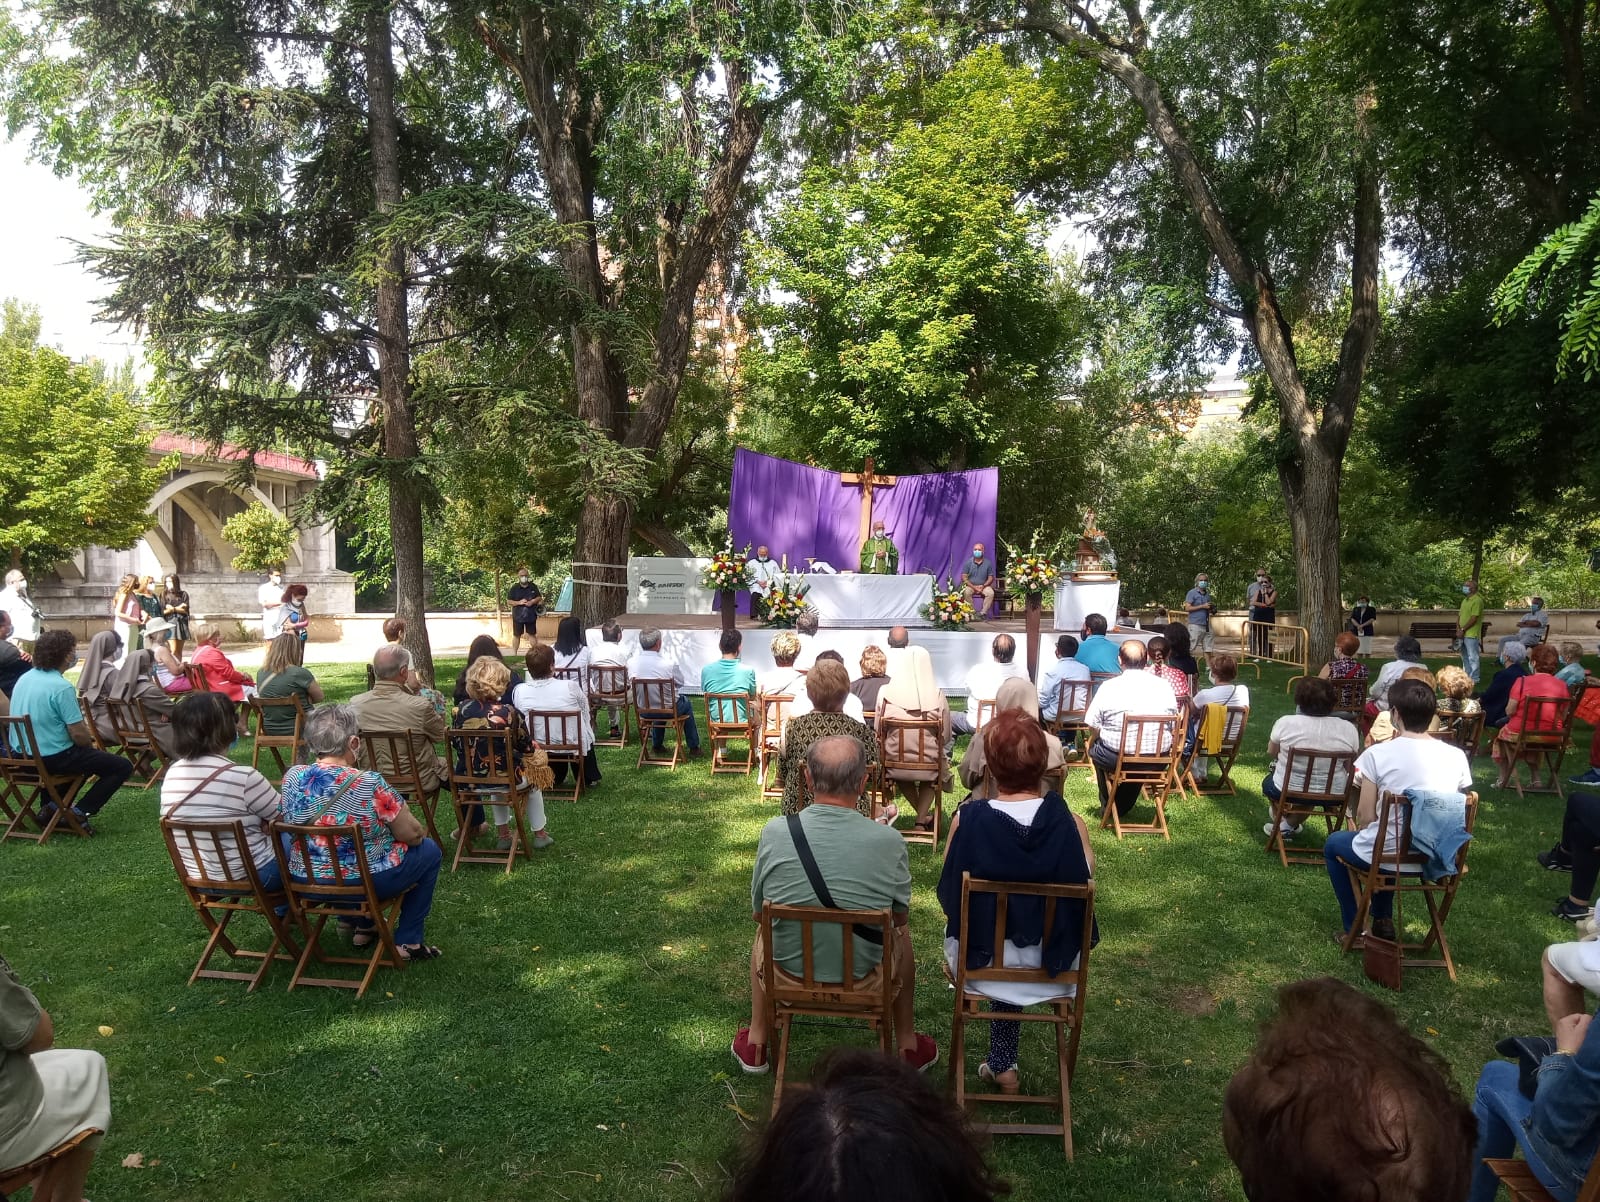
(221, 675)
(1520, 716)
(1160, 650)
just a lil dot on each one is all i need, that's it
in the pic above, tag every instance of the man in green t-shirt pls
(863, 866)
(1469, 629)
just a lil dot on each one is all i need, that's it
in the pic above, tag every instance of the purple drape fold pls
(800, 511)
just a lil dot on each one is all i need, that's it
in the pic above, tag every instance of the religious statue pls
(1094, 560)
(879, 555)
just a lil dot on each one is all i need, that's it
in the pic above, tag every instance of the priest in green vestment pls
(879, 555)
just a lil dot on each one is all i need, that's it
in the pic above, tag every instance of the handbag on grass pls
(1380, 960)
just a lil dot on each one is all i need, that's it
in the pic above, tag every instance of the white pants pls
(536, 819)
(77, 1096)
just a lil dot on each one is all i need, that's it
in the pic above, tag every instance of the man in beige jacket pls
(393, 704)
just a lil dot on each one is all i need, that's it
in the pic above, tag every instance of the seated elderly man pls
(47, 1095)
(1064, 669)
(1135, 692)
(900, 637)
(1399, 1130)
(395, 704)
(984, 681)
(650, 664)
(859, 865)
(65, 742)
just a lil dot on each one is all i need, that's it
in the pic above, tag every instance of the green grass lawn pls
(573, 1041)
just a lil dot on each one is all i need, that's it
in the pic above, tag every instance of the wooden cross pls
(866, 481)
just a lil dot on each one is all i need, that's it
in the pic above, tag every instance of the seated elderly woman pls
(97, 680)
(543, 691)
(874, 675)
(1407, 654)
(1513, 667)
(852, 704)
(1312, 727)
(171, 673)
(1455, 691)
(204, 785)
(1344, 665)
(333, 791)
(1015, 694)
(487, 681)
(827, 687)
(1382, 728)
(220, 673)
(1020, 835)
(1522, 717)
(136, 681)
(1572, 673)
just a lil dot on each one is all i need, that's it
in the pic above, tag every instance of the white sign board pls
(658, 584)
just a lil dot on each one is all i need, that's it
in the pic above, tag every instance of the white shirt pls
(1532, 636)
(763, 576)
(1222, 694)
(1133, 692)
(553, 695)
(579, 661)
(1062, 669)
(270, 596)
(784, 681)
(1405, 763)
(808, 652)
(1313, 734)
(652, 665)
(272, 621)
(1387, 675)
(984, 681)
(613, 655)
(20, 609)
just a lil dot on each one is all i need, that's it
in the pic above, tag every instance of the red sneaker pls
(925, 1056)
(752, 1057)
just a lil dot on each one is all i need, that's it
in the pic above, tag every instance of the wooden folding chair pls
(136, 735)
(1072, 703)
(212, 860)
(1350, 700)
(1096, 679)
(1233, 727)
(608, 686)
(774, 712)
(560, 733)
(351, 894)
(293, 743)
(1147, 756)
(869, 997)
(1064, 1012)
(86, 708)
(1400, 872)
(1461, 730)
(575, 675)
(655, 704)
(484, 771)
(26, 785)
(982, 713)
(1315, 784)
(920, 749)
(731, 718)
(1522, 1186)
(393, 754)
(12, 1180)
(1543, 739)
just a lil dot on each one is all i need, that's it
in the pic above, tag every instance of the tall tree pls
(645, 122)
(1271, 167)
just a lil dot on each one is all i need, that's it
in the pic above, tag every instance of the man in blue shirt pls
(64, 741)
(1096, 651)
(1200, 606)
(977, 579)
(728, 675)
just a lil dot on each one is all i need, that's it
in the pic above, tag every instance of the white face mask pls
(522, 579)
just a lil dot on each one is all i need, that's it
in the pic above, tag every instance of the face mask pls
(1203, 585)
(1466, 590)
(977, 555)
(877, 534)
(1261, 579)
(522, 580)
(762, 558)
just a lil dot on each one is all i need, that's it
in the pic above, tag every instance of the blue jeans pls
(1501, 1110)
(690, 731)
(1471, 654)
(419, 868)
(1269, 788)
(1337, 852)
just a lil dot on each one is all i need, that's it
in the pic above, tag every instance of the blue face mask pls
(1466, 590)
(977, 555)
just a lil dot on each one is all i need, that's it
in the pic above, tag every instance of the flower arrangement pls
(1031, 571)
(728, 570)
(786, 602)
(948, 610)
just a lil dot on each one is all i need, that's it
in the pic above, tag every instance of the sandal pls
(998, 1080)
(924, 825)
(421, 951)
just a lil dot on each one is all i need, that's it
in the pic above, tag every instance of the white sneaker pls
(1288, 829)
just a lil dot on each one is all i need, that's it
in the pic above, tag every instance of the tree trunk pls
(1311, 495)
(1477, 557)
(400, 447)
(602, 558)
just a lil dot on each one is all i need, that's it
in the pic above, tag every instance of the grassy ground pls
(573, 1042)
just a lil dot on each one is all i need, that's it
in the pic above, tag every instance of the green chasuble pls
(879, 557)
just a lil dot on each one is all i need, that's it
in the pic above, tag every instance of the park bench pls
(1440, 630)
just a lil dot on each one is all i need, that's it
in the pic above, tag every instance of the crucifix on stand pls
(866, 481)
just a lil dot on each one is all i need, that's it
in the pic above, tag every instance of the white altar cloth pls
(856, 600)
(1077, 599)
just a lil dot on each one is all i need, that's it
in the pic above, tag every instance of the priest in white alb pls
(764, 576)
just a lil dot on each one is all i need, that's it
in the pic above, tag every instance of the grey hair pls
(836, 766)
(1516, 653)
(15, 576)
(329, 729)
(649, 638)
(807, 622)
(391, 662)
(1408, 649)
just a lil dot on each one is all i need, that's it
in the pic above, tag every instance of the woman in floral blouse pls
(827, 686)
(487, 681)
(333, 791)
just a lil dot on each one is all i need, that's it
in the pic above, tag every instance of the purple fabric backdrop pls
(800, 511)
